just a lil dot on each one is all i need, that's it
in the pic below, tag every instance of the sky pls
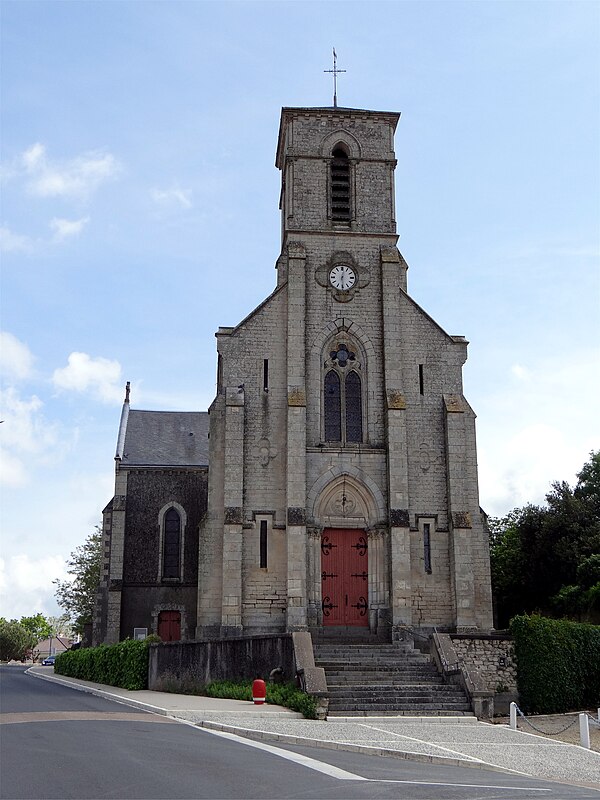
(140, 212)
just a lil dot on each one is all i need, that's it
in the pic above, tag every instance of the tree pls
(61, 626)
(38, 626)
(15, 640)
(77, 596)
(536, 552)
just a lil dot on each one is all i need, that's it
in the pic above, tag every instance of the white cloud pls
(13, 242)
(76, 177)
(26, 584)
(12, 470)
(34, 156)
(522, 373)
(16, 360)
(27, 437)
(64, 228)
(172, 197)
(100, 376)
(545, 427)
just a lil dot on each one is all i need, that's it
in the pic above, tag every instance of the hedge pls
(124, 664)
(558, 664)
(280, 694)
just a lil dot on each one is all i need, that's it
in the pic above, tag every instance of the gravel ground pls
(553, 726)
(475, 743)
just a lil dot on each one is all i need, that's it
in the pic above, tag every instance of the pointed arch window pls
(342, 397)
(171, 560)
(340, 186)
(353, 407)
(333, 407)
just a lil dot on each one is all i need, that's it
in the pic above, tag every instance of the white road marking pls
(305, 761)
(342, 774)
(462, 785)
(422, 741)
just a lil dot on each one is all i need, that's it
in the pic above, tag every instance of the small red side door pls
(169, 626)
(344, 577)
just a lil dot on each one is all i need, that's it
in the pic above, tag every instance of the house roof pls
(163, 439)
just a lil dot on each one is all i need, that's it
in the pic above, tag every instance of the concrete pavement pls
(453, 741)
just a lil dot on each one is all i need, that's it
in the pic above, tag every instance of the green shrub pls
(124, 664)
(280, 694)
(558, 664)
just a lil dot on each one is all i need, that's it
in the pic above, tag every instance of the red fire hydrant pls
(259, 691)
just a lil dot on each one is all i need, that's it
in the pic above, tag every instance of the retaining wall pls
(180, 666)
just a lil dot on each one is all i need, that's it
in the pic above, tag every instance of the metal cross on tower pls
(335, 72)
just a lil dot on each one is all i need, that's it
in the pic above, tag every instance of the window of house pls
(171, 545)
(340, 186)
(342, 397)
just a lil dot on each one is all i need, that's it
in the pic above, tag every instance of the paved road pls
(60, 743)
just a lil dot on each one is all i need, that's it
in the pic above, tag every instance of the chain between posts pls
(546, 733)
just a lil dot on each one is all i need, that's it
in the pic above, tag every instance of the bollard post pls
(259, 691)
(584, 730)
(513, 716)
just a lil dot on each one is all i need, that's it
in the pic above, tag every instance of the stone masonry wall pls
(493, 656)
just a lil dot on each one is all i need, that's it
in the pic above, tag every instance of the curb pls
(143, 706)
(406, 755)
(117, 698)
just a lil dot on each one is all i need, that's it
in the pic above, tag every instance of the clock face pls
(342, 277)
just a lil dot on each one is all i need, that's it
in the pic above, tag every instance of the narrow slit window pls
(219, 373)
(427, 547)
(263, 544)
(421, 382)
(340, 186)
(266, 374)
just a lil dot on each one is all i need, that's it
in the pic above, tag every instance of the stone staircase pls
(378, 679)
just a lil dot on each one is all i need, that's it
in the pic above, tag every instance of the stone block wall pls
(492, 656)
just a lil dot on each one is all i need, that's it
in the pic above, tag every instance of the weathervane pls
(335, 72)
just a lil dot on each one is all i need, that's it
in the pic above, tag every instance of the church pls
(332, 484)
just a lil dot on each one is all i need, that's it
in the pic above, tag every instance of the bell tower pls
(339, 434)
(337, 168)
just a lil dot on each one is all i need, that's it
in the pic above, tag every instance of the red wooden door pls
(344, 577)
(169, 626)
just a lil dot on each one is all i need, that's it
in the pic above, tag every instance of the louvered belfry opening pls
(340, 186)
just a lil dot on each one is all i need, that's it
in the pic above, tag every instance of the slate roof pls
(165, 439)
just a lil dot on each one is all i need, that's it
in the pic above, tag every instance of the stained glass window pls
(333, 407)
(353, 401)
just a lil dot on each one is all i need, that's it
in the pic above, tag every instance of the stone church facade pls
(338, 484)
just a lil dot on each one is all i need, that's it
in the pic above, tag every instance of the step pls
(395, 673)
(386, 691)
(376, 709)
(414, 663)
(386, 667)
(356, 648)
(396, 713)
(386, 680)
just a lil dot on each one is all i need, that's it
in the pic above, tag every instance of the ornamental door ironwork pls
(344, 577)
